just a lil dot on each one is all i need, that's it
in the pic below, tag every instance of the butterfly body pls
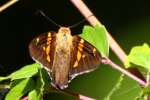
(64, 56)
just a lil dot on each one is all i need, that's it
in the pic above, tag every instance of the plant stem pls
(148, 77)
(119, 68)
(8, 4)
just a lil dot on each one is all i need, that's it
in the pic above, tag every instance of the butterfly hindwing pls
(85, 57)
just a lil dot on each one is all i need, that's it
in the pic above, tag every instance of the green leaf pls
(4, 78)
(42, 82)
(45, 78)
(139, 55)
(97, 36)
(25, 72)
(21, 87)
(34, 95)
(115, 88)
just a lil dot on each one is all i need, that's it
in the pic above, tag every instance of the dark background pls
(127, 20)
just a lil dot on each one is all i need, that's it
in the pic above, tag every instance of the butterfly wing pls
(42, 48)
(85, 57)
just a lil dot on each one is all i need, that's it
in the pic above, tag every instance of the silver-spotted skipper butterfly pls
(64, 56)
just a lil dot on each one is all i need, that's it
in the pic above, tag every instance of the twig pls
(8, 4)
(119, 68)
(148, 77)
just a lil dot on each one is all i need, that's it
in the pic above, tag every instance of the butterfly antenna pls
(74, 25)
(52, 21)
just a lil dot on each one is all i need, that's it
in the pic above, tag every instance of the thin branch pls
(93, 21)
(148, 77)
(8, 4)
(119, 68)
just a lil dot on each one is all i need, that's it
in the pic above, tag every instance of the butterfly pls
(64, 56)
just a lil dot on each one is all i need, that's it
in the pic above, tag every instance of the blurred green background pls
(128, 22)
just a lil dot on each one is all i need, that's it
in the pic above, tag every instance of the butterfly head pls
(64, 31)
(64, 36)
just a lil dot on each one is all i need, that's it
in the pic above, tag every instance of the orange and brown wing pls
(42, 49)
(84, 57)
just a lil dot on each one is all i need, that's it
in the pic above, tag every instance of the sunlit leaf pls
(97, 36)
(139, 55)
(34, 95)
(4, 78)
(25, 72)
(21, 87)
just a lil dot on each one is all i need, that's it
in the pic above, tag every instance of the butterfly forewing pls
(42, 49)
